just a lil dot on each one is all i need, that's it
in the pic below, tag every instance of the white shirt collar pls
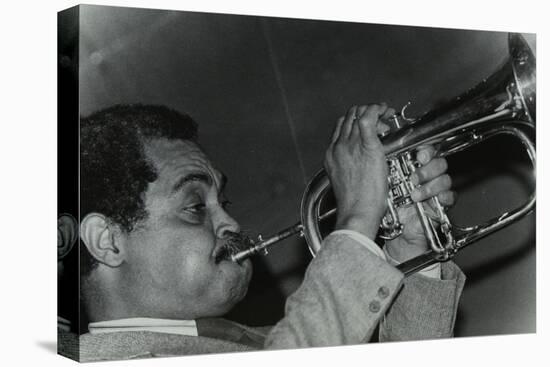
(181, 327)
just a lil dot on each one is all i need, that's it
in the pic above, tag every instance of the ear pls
(102, 240)
(67, 234)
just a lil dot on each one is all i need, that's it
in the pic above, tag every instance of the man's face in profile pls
(171, 255)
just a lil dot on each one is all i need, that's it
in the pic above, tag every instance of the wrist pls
(363, 224)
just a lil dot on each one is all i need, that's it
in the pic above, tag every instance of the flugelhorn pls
(503, 103)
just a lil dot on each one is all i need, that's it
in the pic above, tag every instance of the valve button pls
(374, 306)
(383, 292)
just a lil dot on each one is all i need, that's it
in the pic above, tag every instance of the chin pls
(235, 285)
(226, 303)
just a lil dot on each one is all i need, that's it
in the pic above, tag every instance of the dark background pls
(266, 93)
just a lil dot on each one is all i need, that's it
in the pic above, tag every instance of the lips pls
(235, 243)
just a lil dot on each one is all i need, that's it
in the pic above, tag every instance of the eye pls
(195, 208)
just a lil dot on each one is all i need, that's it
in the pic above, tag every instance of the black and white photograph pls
(232, 183)
(274, 183)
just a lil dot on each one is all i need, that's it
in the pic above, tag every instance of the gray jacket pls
(346, 293)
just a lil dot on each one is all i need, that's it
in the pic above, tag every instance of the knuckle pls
(372, 107)
(427, 148)
(419, 175)
(328, 163)
(338, 151)
(427, 191)
(422, 193)
(338, 146)
(382, 108)
(423, 176)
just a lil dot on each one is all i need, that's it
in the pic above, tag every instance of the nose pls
(225, 224)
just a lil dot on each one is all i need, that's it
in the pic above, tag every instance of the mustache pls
(235, 243)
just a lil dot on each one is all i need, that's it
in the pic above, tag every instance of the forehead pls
(174, 158)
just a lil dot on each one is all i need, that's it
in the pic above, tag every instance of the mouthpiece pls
(260, 247)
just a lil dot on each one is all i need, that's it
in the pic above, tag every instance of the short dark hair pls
(114, 170)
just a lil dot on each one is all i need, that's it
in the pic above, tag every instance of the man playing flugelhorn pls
(157, 243)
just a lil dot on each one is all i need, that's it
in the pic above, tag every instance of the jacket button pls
(374, 306)
(383, 292)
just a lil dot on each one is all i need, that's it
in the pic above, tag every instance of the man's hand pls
(433, 182)
(357, 169)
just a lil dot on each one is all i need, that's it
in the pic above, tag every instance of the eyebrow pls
(197, 177)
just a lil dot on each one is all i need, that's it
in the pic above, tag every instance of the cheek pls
(174, 258)
(186, 262)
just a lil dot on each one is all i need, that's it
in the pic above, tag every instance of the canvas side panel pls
(68, 182)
